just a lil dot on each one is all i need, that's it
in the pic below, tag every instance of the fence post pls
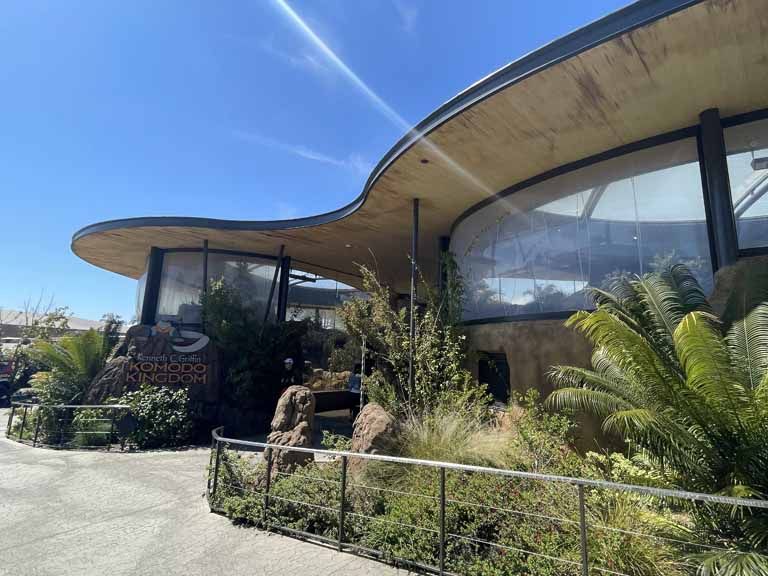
(10, 421)
(442, 521)
(215, 474)
(583, 527)
(111, 430)
(37, 426)
(23, 423)
(61, 431)
(268, 454)
(343, 500)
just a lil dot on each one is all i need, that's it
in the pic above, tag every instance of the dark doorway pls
(493, 371)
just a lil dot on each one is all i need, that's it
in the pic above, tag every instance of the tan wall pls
(531, 348)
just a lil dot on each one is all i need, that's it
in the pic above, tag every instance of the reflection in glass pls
(180, 286)
(252, 277)
(536, 250)
(747, 149)
(313, 297)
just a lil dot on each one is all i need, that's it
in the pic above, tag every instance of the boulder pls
(109, 382)
(292, 426)
(375, 430)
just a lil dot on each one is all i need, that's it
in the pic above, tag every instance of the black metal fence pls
(68, 426)
(248, 480)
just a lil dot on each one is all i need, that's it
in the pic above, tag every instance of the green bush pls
(162, 416)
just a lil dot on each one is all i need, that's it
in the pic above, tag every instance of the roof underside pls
(650, 80)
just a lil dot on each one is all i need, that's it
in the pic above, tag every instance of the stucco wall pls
(531, 348)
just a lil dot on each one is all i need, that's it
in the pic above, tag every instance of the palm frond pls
(747, 340)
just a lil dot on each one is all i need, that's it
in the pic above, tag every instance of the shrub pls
(689, 394)
(162, 416)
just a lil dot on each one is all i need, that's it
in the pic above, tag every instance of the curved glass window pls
(536, 250)
(747, 149)
(251, 276)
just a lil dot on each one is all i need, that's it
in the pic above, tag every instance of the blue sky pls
(114, 109)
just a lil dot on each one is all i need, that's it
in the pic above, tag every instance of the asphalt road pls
(99, 513)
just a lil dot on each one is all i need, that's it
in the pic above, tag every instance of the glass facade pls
(250, 275)
(314, 297)
(180, 286)
(181, 282)
(747, 152)
(536, 250)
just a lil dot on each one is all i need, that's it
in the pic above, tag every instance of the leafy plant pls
(71, 364)
(438, 374)
(669, 380)
(252, 351)
(162, 416)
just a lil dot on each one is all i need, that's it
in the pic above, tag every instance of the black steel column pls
(414, 291)
(272, 288)
(282, 298)
(152, 286)
(721, 222)
(205, 266)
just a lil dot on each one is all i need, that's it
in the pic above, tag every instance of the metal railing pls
(586, 526)
(67, 425)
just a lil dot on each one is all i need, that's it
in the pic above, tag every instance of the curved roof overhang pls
(645, 70)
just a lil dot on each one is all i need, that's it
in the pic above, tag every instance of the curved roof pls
(647, 69)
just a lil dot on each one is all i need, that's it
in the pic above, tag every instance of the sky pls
(261, 109)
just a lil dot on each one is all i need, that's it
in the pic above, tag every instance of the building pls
(637, 140)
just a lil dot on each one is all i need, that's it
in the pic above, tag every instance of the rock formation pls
(292, 426)
(375, 430)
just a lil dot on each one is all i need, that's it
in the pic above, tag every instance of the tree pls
(670, 380)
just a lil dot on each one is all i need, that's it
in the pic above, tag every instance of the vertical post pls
(342, 500)
(152, 286)
(111, 429)
(215, 474)
(444, 249)
(61, 431)
(37, 426)
(414, 270)
(205, 266)
(282, 297)
(278, 266)
(442, 521)
(266, 487)
(583, 528)
(10, 421)
(23, 422)
(362, 373)
(717, 189)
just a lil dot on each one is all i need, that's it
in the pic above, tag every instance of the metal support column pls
(282, 298)
(215, 475)
(272, 287)
(23, 423)
(205, 266)
(10, 421)
(444, 249)
(414, 291)
(152, 286)
(442, 522)
(721, 222)
(267, 485)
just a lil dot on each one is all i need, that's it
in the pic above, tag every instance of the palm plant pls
(671, 381)
(72, 363)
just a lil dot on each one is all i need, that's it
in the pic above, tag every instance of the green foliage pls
(112, 324)
(252, 351)
(337, 442)
(440, 378)
(692, 398)
(162, 416)
(71, 363)
(91, 427)
(395, 509)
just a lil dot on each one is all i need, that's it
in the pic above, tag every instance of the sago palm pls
(72, 363)
(669, 379)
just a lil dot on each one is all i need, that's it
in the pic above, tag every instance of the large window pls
(180, 286)
(747, 149)
(181, 282)
(536, 250)
(314, 297)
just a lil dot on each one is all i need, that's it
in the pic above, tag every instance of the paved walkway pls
(98, 513)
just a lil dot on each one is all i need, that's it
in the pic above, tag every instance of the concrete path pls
(98, 513)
